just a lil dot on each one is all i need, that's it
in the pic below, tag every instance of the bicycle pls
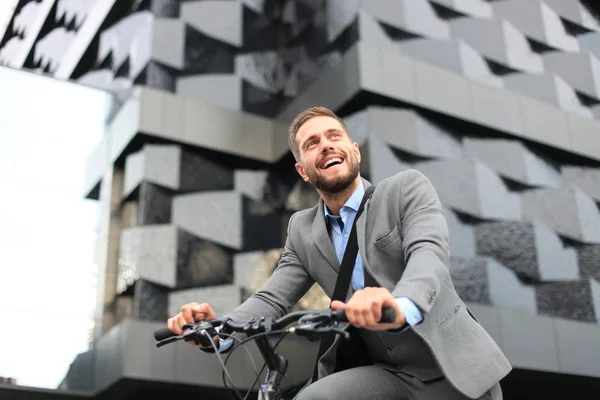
(310, 324)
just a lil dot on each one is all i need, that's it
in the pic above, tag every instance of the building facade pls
(496, 102)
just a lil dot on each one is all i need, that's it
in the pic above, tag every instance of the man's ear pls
(301, 172)
(357, 149)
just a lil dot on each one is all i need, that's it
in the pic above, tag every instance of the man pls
(435, 349)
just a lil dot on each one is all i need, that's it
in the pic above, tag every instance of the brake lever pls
(312, 329)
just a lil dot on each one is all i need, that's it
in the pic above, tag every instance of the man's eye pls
(311, 144)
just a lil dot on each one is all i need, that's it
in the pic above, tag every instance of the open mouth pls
(331, 162)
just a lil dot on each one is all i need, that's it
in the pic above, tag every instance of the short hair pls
(302, 118)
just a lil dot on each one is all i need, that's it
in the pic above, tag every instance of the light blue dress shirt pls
(339, 230)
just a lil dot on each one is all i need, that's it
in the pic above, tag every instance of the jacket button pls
(390, 347)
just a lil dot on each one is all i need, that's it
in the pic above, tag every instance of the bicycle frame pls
(310, 323)
(276, 369)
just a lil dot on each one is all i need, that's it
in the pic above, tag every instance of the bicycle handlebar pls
(310, 321)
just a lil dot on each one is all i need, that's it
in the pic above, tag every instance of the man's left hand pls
(364, 309)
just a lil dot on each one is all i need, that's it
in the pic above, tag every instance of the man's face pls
(328, 158)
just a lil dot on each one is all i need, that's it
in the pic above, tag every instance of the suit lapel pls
(322, 240)
(361, 228)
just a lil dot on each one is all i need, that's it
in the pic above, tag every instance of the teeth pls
(329, 162)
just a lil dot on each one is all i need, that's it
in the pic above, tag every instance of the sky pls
(47, 229)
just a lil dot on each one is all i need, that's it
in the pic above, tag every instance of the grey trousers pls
(374, 383)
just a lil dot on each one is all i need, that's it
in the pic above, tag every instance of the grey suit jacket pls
(403, 241)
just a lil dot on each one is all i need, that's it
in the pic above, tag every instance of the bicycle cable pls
(263, 368)
(224, 368)
(242, 343)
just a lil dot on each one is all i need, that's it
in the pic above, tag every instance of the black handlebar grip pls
(388, 315)
(163, 333)
(339, 315)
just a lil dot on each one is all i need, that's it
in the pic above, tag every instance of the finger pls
(186, 313)
(205, 309)
(370, 318)
(173, 327)
(360, 313)
(336, 304)
(350, 308)
(181, 321)
(367, 311)
(376, 309)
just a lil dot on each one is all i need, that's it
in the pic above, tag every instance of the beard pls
(337, 185)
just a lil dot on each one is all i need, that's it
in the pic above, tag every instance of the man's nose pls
(326, 146)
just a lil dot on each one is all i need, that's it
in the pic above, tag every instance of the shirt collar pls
(353, 202)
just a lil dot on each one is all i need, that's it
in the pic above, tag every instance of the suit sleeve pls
(288, 283)
(424, 241)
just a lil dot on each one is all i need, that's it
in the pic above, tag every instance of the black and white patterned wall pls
(521, 200)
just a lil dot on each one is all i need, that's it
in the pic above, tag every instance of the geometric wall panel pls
(408, 131)
(156, 164)
(228, 218)
(568, 210)
(586, 178)
(413, 16)
(223, 298)
(588, 256)
(73, 11)
(218, 19)
(359, 125)
(580, 70)
(340, 20)
(202, 263)
(154, 204)
(455, 55)
(250, 183)
(590, 42)
(213, 216)
(253, 269)
(168, 36)
(472, 188)
(531, 250)
(550, 88)
(49, 49)
(462, 236)
(302, 196)
(172, 167)
(579, 300)
(199, 172)
(513, 160)
(148, 253)
(150, 301)
(575, 12)
(499, 41)
(373, 32)
(485, 281)
(218, 89)
(170, 257)
(27, 24)
(537, 21)
(379, 161)
(264, 70)
(128, 40)
(596, 111)
(474, 8)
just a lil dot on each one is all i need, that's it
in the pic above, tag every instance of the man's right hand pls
(189, 314)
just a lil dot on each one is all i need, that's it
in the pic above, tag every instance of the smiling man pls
(435, 349)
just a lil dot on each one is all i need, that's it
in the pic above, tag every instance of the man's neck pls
(335, 201)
